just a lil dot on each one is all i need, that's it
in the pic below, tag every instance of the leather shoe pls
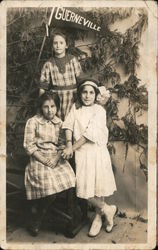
(34, 227)
(96, 226)
(110, 218)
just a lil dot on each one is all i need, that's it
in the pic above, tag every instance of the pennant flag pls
(73, 18)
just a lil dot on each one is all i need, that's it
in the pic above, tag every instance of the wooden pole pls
(44, 38)
(41, 49)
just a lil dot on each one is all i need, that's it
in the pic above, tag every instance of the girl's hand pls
(52, 163)
(67, 153)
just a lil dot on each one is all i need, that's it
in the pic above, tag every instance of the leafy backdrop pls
(110, 49)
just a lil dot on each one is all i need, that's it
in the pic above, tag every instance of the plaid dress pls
(41, 180)
(64, 84)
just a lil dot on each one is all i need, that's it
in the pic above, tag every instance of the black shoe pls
(34, 227)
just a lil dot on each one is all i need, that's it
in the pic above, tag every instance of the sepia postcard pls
(102, 196)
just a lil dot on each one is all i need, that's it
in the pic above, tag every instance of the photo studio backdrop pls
(112, 45)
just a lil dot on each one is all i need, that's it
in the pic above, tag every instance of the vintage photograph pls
(78, 121)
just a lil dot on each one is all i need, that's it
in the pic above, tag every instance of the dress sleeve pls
(96, 130)
(77, 67)
(29, 137)
(45, 78)
(70, 119)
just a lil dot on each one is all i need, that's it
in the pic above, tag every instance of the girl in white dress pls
(94, 175)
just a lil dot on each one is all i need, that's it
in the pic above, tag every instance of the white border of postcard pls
(152, 122)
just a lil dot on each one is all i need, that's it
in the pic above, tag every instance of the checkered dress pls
(40, 180)
(62, 83)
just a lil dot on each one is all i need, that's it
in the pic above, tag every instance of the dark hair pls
(59, 34)
(79, 92)
(48, 96)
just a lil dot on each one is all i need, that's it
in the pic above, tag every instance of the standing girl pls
(60, 73)
(94, 175)
(46, 174)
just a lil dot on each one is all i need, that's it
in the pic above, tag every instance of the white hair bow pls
(104, 92)
(103, 95)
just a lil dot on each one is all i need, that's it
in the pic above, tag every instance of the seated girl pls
(47, 173)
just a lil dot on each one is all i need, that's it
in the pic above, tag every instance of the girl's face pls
(88, 95)
(59, 46)
(49, 109)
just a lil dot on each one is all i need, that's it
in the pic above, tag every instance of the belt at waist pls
(69, 87)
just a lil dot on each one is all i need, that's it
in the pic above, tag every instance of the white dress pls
(94, 173)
